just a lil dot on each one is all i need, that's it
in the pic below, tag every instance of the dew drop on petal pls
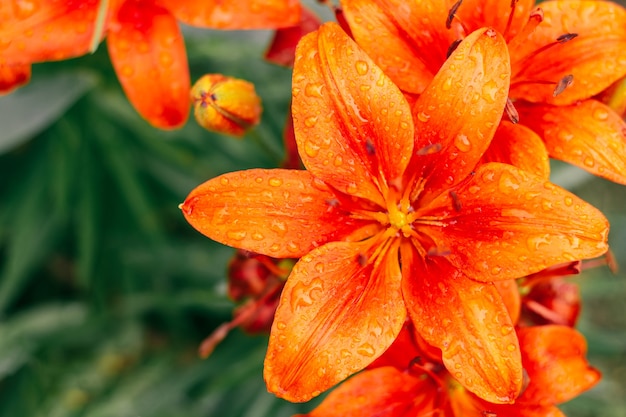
(311, 148)
(511, 347)
(361, 67)
(319, 267)
(589, 162)
(224, 181)
(600, 114)
(281, 325)
(462, 143)
(366, 350)
(275, 182)
(257, 236)
(423, 117)
(310, 121)
(568, 201)
(237, 234)
(313, 90)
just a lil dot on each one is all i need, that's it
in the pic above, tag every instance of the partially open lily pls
(409, 380)
(393, 216)
(562, 53)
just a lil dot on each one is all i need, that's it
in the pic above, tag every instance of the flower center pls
(397, 218)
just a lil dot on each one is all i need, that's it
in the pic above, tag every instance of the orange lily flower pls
(562, 54)
(144, 41)
(41, 31)
(409, 380)
(394, 216)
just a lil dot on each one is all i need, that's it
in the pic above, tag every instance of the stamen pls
(486, 413)
(452, 13)
(534, 19)
(508, 23)
(429, 149)
(369, 147)
(456, 202)
(566, 37)
(332, 202)
(563, 84)
(511, 111)
(435, 251)
(361, 259)
(453, 47)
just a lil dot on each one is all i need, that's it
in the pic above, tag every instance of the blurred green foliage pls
(106, 292)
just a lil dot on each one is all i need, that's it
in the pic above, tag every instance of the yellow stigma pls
(397, 218)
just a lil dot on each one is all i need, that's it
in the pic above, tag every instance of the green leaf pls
(36, 106)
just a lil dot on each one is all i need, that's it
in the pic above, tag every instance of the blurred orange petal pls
(148, 53)
(517, 145)
(13, 76)
(282, 50)
(587, 134)
(341, 304)
(240, 14)
(382, 392)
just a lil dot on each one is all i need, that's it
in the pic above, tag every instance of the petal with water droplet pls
(348, 307)
(514, 214)
(463, 131)
(588, 134)
(457, 315)
(160, 93)
(236, 208)
(336, 120)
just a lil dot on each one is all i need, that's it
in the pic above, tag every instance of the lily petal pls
(408, 40)
(511, 297)
(512, 224)
(13, 76)
(364, 136)
(460, 110)
(336, 315)
(279, 213)
(240, 14)
(554, 357)
(496, 14)
(148, 53)
(519, 146)
(587, 134)
(282, 50)
(596, 57)
(468, 321)
(45, 30)
(383, 392)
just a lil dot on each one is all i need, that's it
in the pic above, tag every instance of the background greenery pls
(105, 290)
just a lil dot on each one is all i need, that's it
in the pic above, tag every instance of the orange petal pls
(225, 104)
(268, 211)
(510, 294)
(45, 30)
(476, 14)
(468, 321)
(240, 14)
(587, 134)
(13, 76)
(460, 110)
(337, 314)
(148, 53)
(282, 50)
(512, 224)
(554, 357)
(382, 392)
(352, 124)
(519, 146)
(408, 40)
(596, 57)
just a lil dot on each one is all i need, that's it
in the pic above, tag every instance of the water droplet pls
(589, 162)
(293, 247)
(275, 182)
(311, 148)
(310, 121)
(165, 58)
(281, 325)
(568, 201)
(361, 67)
(275, 247)
(508, 183)
(511, 347)
(127, 71)
(319, 267)
(490, 89)
(504, 330)
(447, 84)
(237, 234)
(304, 295)
(313, 90)
(338, 160)
(600, 114)
(257, 236)
(224, 181)
(423, 117)
(352, 188)
(366, 350)
(25, 8)
(404, 125)
(495, 270)
(462, 143)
